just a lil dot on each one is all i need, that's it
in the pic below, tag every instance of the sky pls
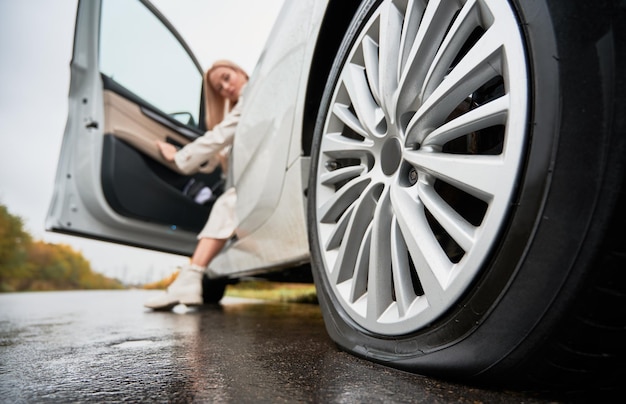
(36, 39)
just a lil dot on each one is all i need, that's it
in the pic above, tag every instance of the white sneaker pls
(186, 289)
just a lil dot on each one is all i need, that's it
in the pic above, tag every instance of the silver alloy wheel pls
(419, 158)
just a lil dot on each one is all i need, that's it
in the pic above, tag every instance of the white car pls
(453, 170)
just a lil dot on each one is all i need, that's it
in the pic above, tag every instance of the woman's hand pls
(168, 151)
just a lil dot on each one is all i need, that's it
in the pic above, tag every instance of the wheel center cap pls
(391, 156)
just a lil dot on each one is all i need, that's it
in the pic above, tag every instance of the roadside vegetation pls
(274, 291)
(258, 289)
(34, 265)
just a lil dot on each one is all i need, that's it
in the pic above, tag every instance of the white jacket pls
(205, 153)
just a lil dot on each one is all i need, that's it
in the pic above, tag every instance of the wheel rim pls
(419, 157)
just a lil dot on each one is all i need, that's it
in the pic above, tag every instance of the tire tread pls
(590, 347)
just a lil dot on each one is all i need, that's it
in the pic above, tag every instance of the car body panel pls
(267, 149)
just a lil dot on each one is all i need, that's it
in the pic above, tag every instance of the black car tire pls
(213, 289)
(546, 305)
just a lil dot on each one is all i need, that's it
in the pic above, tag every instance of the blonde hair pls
(216, 106)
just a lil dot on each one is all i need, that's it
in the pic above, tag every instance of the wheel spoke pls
(430, 33)
(430, 261)
(339, 230)
(342, 174)
(469, 18)
(379, 290)
(367, 110)
(490, 114)
(390, 25)
(353, 240)
(361, 270)
(455, 225)
(340, 201)
(475, 69)
(479, 176)
(401, 270)
(346, 116)
(370, 56)
(337, 146)
(414, 13)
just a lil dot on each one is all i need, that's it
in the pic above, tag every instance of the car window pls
(140, 53)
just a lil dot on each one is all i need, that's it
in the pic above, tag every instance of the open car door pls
(133, 81)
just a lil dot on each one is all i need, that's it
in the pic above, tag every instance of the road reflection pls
(103, 346)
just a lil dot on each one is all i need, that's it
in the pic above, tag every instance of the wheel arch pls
(337, 18)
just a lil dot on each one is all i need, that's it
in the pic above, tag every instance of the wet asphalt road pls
(104, 346)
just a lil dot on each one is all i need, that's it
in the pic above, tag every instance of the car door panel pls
(112, 183)
(136, 181)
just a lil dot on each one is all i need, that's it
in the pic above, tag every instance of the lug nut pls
(331, 165)
(412, 176)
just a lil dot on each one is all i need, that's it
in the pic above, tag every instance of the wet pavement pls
(103, 346)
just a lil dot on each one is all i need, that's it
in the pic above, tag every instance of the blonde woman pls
(223, 84)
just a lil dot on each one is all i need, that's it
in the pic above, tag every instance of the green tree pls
(58, 266)
(36, 265)
(14, 245)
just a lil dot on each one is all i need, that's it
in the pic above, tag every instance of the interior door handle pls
(174, 142)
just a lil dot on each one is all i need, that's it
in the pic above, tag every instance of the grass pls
(274, 291)
(258, 289)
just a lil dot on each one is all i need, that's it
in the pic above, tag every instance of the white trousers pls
(223, 218)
